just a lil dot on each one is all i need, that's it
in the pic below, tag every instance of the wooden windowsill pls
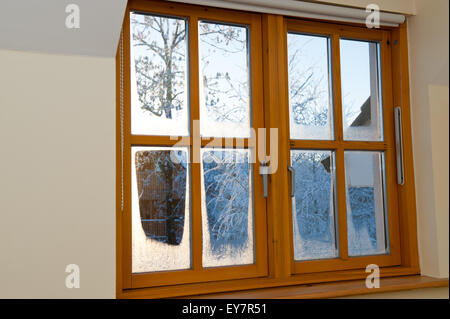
(331, 290)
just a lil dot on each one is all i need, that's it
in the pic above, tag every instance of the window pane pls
(160, 209)
(227, 208)
(224, 80)
(313, 207)
(361, 90)
(309, 87)
(159, 104)
(366, 208)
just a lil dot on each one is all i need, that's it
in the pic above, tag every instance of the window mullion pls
(340, 163)
(341, 203)
(194, 106)
(336, 92)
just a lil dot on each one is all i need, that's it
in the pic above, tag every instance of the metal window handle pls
(292, 171)
(399, 145)
(264, 172)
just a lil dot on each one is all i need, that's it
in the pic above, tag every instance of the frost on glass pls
(160, 209)
(313, 207)
(361, 90)
(158, 69)
(366, 209)
(224, 80)
(310, 108)
(227, 208)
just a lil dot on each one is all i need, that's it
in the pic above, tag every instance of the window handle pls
(264, 172)
(292, 171)
(399, 145)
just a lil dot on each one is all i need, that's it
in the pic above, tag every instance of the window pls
(339, 150)
(210, 199)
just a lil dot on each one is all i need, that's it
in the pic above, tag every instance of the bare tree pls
(225, 87)
(161, 67)
(308, 92)
(160, 75)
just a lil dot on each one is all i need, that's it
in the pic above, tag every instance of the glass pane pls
(227, 208)
(310, 109)
(159, 103)
(224, 80)
(313, 207)
(160, 209)
(361, 91)
(366, 208)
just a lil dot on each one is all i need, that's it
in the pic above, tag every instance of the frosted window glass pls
(227, 208)
(160, 209)
(366, 208)
(313, 207)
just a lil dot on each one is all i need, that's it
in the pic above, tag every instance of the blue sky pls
(355, 74)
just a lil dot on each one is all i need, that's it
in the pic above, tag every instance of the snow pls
(313, 206)
(227, 208)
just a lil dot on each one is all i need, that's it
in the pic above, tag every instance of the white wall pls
(429, 64)
(57, 174)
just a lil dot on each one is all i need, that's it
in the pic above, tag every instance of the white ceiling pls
(39, 25)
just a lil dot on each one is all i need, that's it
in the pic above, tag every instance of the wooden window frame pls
(275, 265)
